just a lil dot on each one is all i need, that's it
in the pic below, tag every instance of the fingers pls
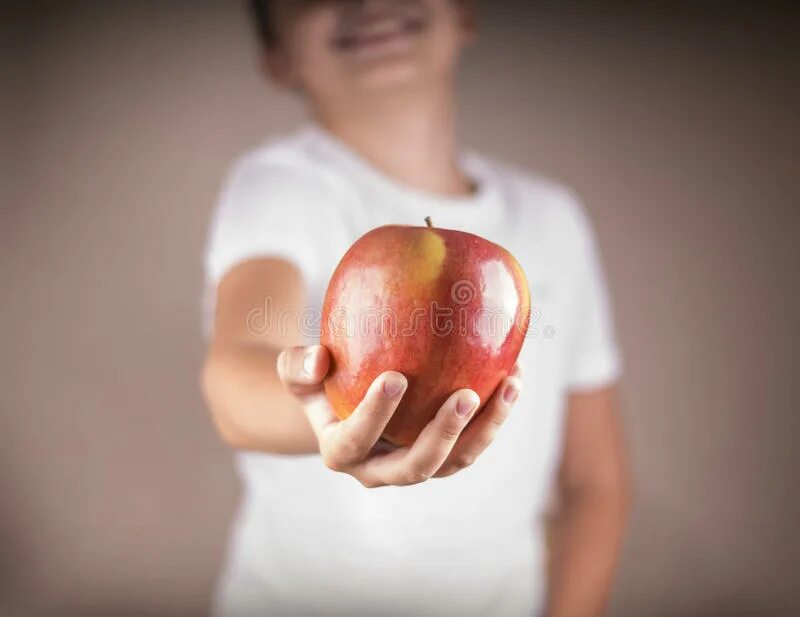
(421, 461)
(436, 441)
(319, 413)
(446, 445)
(481, 432)
(351, 440)
(301, 369)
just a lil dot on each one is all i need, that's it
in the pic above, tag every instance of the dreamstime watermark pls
(489, 323)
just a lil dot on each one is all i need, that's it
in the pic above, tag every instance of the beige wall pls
(678, 126)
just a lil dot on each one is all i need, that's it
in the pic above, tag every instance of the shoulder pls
(280, 170)
(537, 201)
(278, 201)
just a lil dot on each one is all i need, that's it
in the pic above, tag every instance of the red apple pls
(447, 309)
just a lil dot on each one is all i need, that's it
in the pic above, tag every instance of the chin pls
(388, 75)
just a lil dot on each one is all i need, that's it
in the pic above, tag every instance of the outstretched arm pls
(265, 391)
(249, 404)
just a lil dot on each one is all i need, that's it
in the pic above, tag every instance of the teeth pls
(383, 29)
(386, 27)
(379, 29)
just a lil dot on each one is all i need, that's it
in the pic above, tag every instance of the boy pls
(441, 537)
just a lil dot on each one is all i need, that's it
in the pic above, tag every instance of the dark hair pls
(265, 25)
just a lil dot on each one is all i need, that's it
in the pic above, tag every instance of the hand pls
(352, 446)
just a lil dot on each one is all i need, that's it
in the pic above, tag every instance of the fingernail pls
(392, 387)
(309, 363)
(465, 405)
(510, 394)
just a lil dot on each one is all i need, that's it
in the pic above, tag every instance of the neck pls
(411, 137)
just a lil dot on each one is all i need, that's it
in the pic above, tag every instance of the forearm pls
(587, 541)
(249, 405)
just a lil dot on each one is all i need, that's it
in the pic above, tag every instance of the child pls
(442, 537)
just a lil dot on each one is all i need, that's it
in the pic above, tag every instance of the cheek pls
(447, 36)
(444, 47)
(311, 59)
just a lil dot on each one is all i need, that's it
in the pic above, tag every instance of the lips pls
(374, 30)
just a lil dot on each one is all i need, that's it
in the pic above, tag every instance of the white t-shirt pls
(309, 541)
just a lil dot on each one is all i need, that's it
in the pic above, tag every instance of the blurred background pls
(678, 124)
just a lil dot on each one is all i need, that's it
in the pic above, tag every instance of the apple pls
(448, 309)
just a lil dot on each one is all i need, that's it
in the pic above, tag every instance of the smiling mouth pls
(377, 33)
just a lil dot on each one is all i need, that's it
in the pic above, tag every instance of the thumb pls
(302, 369)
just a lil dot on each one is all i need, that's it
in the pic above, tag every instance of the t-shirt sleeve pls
(264, 210)
(594, 356)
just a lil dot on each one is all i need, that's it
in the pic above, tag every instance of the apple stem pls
(429, 222)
